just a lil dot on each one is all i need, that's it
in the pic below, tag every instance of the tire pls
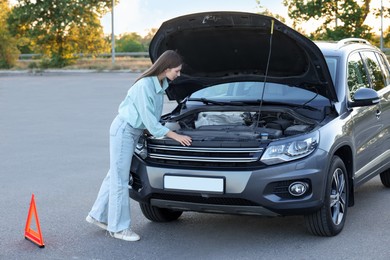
(159, 214)
(385, 178)
(330, 218)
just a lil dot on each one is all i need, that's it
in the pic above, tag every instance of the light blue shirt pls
(143, 105)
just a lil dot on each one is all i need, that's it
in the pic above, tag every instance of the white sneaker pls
(91, 220)
(127, 235)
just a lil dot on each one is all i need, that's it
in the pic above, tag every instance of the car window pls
(374, 69)
(357, 76)
(385, 68)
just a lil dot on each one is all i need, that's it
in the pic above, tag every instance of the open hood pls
(220, 47)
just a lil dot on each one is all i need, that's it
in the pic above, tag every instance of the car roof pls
(344, 47)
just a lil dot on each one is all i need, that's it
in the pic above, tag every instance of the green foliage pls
(59, 28)
(32, 65)
(340, 33)
(341, 18)
(267, 12)
(9, 53)
(386, 15)
(386, 38)
(148, 38)
(129, 43)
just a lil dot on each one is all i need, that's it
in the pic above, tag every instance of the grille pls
(202, 154)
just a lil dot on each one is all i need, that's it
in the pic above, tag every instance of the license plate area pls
(193, 183)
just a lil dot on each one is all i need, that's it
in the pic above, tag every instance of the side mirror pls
(364, 97)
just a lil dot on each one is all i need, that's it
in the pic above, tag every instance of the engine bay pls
(241, 125)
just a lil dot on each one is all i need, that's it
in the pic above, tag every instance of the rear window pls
(385, 68)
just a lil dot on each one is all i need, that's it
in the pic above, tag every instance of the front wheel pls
(385, 178)
(159, 214)
(330, 218)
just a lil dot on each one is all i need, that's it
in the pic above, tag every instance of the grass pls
(99, 64)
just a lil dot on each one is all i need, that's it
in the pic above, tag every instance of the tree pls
(385, 15)
(386, 38)
(9, 53)
(60, 28)
(267, 12)
(89, 39)
(130, 42)
(148, 38)
(340, 18)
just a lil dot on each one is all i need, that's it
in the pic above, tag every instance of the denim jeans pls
(112, 205)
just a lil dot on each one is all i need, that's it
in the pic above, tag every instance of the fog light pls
(298, 188)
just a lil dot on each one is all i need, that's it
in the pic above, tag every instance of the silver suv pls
(280, 125)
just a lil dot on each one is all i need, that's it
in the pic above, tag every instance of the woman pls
(141, 109)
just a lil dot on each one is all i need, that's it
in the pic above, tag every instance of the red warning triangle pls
(29, 233)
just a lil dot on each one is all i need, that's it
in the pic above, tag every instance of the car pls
(281, 125)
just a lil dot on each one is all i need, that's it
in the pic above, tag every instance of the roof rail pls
(352, 40)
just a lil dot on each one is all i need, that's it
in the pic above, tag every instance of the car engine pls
(241, 125)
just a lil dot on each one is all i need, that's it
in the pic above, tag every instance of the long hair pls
(168, 60)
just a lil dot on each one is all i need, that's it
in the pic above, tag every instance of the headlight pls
(141, 148)
(292, 149)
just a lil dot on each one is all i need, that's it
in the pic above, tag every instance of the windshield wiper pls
(209, 101)
(252, 102)
(296, 106)
(220, 103)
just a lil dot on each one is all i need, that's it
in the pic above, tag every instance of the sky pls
(142, 15)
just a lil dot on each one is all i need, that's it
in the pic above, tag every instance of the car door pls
(384, 94)
(380, 81)
(380, 73)
(367, 121)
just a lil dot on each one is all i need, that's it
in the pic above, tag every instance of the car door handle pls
(378, 113)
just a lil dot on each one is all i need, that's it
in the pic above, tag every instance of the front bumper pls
(251, 192)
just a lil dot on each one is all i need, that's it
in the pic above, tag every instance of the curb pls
(60, 71)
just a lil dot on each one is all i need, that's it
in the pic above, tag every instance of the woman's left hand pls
(182, 139)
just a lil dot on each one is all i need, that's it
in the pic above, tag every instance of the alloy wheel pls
(338, 195)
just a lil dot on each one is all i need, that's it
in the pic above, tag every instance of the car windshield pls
(253, 91)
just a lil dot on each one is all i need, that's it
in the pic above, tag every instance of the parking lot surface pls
(54, 144)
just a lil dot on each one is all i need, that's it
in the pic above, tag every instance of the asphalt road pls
(54, 143)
